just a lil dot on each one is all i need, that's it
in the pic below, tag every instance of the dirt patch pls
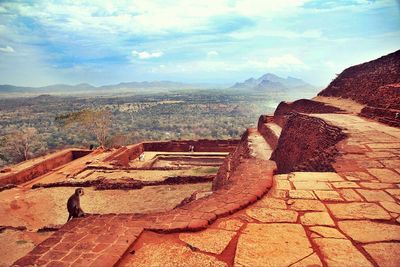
(15, 244)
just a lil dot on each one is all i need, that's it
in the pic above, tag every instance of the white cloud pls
(7, 49)
(268, 8)
(212, 53)
(283, 61)
(146, 55)
(286, 62)
(143, 16)
(282, 33)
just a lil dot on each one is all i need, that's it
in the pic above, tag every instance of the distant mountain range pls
(85, 87)
(272, 82)
(267, 82)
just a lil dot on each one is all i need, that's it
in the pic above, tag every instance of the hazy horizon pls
(200, 84)
(215, 42)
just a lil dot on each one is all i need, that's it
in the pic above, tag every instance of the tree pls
(97, 122)
(20, 144)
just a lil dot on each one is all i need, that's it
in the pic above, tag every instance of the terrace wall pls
(307, 144)
(231, 162)
(199, 145)
(125, 154)
(20, 174)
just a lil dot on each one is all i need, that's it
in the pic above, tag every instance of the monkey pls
(74, 205)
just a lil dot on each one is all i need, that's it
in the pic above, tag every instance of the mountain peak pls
(270, 81)
(269, 76)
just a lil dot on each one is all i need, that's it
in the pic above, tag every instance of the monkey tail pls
(69, 217)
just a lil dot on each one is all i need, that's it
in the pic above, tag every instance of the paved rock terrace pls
(347, 218)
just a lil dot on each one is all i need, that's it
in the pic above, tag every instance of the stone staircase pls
(258, 146)
(270, 130)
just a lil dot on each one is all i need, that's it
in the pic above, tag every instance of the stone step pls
(390, 122)
(271, 132)
(258, 146)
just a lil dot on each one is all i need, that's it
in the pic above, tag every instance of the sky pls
(209, 41)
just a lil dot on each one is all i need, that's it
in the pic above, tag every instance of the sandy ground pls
(15, 244)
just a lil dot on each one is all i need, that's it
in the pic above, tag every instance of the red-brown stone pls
(64, 246)
(54, 255)
(57, 264)
(27, 260)
(105, 260)
(100, 247)
(197, 224)
(72, 256)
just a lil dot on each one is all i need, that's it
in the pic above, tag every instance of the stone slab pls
(281, 176)
(349, 195)
(302, 194)
(315, 177)
(273, 203)
(374, 195)
(170, 254)
(375, 185)
(391, 206)
(384, 145)
(307, 204)
(391, 163)
(368, 163)
(394, 192)
(275, 193)
(358, 210)
(367, 231)
(272, 215)
(316, 218)
(273, 244)
(209, 240)
(358, 176)
(312, 261)
(230, 225)
(283, 185)
(385, 175)
(327, 232)
(327, 195)
(311, 185)
(345, 185)
(381, 154)
(341, 252)
(384, 254)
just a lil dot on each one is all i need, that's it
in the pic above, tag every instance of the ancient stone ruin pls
(315, 184)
